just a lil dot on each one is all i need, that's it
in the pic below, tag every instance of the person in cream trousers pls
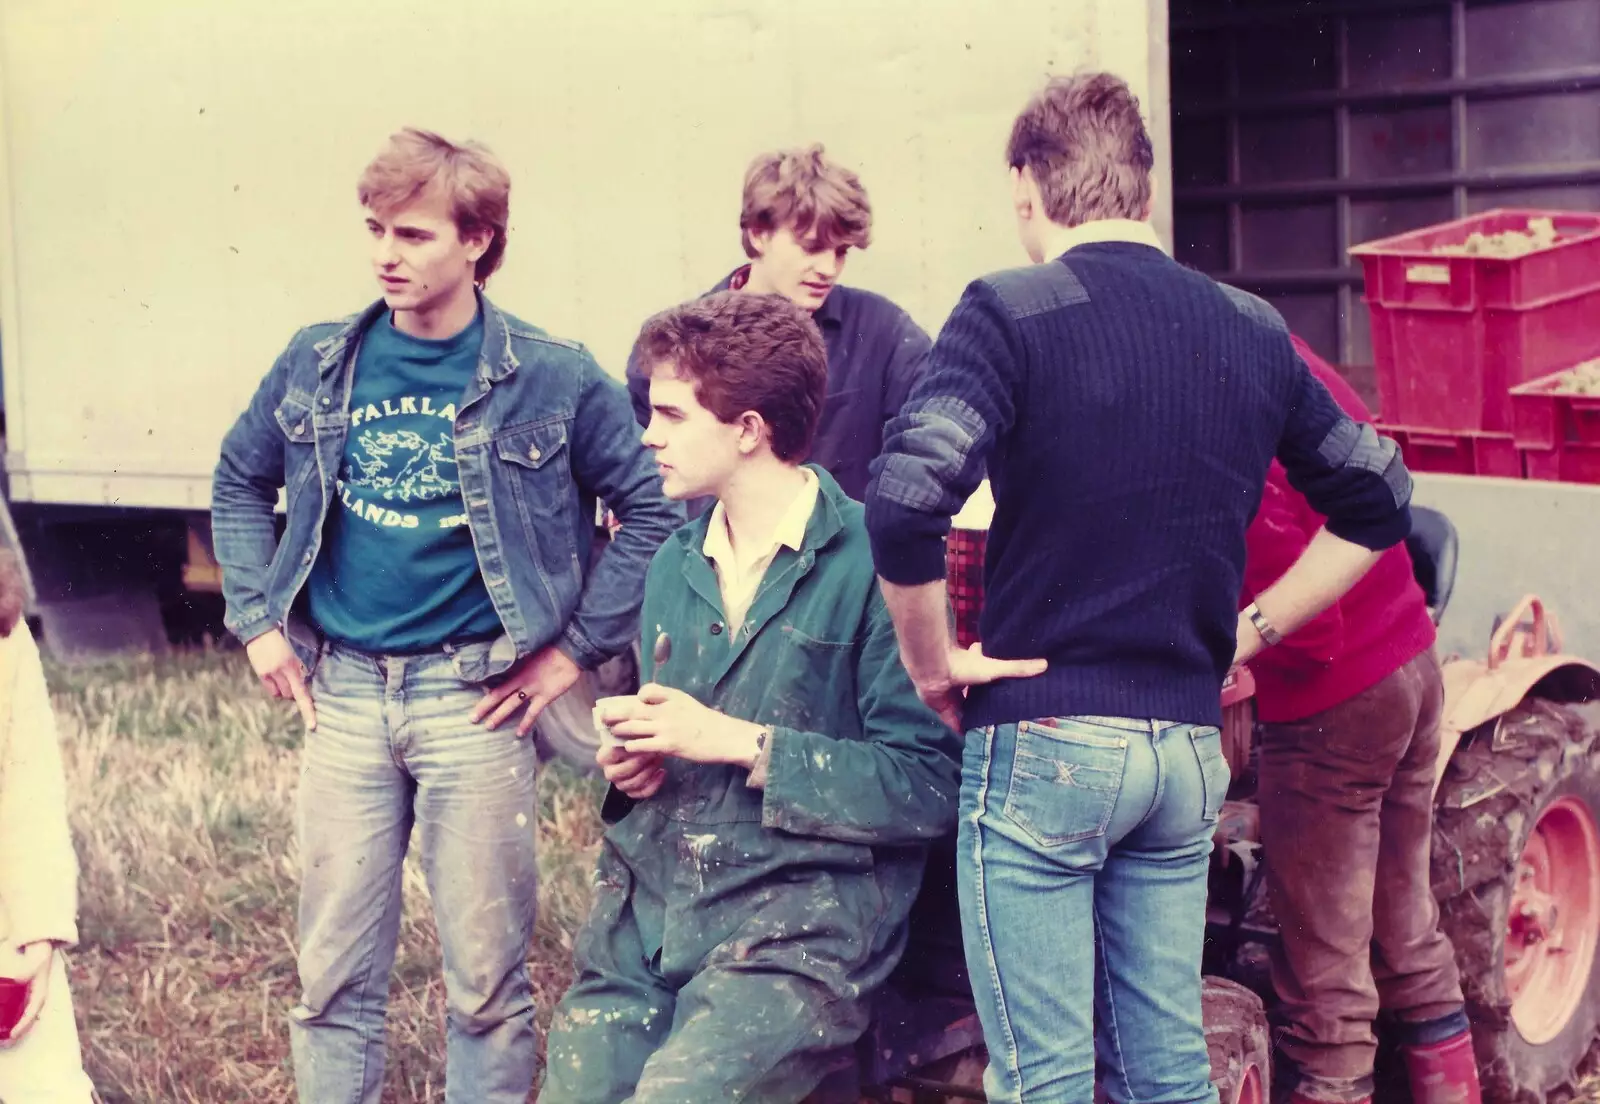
(40, 1062)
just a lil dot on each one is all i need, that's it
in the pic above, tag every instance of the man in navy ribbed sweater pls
(1126, 409)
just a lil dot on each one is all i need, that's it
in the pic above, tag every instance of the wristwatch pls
(1269, 635)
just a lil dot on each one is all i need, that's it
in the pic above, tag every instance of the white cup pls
(619, 706)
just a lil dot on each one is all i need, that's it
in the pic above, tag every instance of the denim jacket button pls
(534, 453)
(716, 628)
(326, 401)
(299, 429)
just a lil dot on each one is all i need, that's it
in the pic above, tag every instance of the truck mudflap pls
(1524, 658)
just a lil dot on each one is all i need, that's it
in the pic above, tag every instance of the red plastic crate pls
(1451, 333)
(1543, 416)
(1457, 453)
(1405, 270)
(1567, 462)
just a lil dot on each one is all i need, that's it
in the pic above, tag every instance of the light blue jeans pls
(1083, 850)
(393, 746)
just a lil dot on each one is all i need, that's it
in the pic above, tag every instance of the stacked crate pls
(1481, 333)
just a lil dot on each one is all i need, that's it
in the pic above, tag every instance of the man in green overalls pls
(776, 778)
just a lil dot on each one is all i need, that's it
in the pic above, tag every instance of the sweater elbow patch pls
(933, 444)
(1351, 444)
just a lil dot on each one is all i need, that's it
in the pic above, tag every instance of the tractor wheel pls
(1237, 1041)
(1516, 871)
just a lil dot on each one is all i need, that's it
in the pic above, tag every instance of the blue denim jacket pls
(541, 433)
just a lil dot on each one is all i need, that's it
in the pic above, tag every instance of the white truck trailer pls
(177, 196)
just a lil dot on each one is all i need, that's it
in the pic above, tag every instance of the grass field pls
(182, 779)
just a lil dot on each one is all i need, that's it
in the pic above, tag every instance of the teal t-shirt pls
(397, 571)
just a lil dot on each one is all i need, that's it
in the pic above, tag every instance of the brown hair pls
(803, 190)
(468, 175)
(1086, 145)
(745, 352)
(12, 594)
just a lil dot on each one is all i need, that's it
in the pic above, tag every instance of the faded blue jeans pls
(1081, 867)
(393, 746)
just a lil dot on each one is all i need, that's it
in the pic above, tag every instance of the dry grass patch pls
(182, 781)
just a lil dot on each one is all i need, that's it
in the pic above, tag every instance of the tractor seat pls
(1433, 545)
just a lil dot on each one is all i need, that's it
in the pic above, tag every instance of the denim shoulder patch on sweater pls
(1255, 308)
(1352, 444)
(1037, 289)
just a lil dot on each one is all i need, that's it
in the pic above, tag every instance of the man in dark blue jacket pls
(802, 215)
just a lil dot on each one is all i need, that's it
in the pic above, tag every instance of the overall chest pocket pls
(811, 686)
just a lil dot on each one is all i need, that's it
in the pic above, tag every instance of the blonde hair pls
(467, 174)
(805, 191)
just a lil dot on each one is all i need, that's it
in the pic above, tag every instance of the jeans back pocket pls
(1214, 773)
(1065, 780)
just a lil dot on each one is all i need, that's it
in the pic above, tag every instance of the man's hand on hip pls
(533, 682)
(939, 670)
(281, 672)
(947, 695)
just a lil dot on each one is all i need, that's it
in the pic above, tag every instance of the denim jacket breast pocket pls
(535, 463)
(294, 419)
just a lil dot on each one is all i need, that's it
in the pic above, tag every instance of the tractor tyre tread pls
(1487, 805)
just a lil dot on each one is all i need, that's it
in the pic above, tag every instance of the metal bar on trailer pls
(1341, 208)
(1521, 176)
(1458, 105)
(1577, 79)
(1304, 279)
(1235, 17)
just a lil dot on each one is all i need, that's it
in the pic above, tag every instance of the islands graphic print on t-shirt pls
(397, 464)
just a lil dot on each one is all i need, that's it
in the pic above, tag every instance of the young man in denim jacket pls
(787, 778)
(441, 461)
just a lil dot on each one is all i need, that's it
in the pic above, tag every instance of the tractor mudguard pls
(1524, 658)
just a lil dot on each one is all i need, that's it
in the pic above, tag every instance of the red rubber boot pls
(1444, 1072)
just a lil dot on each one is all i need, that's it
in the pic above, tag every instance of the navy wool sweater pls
(1126, 409)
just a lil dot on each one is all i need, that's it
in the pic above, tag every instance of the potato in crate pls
(1556, 424)
(1465, 310)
